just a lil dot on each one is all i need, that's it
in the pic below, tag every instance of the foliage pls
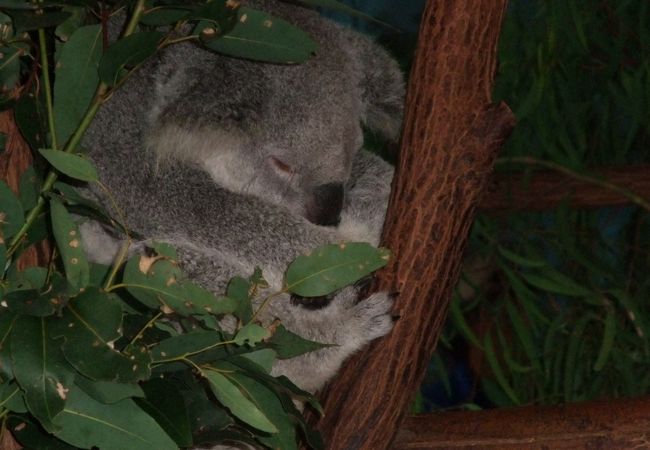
(134, 355)
(561, 312)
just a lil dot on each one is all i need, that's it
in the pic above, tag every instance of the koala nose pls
(327, 204)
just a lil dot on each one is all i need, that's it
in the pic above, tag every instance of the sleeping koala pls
(241, 164)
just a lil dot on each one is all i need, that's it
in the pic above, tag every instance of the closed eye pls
(281, 166)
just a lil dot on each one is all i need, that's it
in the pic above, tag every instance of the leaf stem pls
(144, 328)
(47, 87)
(117, 263)
(79, 132)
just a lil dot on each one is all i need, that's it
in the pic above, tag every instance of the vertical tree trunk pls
(451, 136)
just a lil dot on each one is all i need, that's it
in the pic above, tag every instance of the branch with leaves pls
(135, 355)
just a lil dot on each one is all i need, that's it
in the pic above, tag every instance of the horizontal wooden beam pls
(615, 424)
(547, 189)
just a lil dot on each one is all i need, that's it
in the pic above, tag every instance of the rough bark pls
(451, 136)
(548, 189)
(615, 424)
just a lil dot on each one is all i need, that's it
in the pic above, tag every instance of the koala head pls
(286, 134)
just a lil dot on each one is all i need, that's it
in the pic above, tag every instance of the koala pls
(241, 164)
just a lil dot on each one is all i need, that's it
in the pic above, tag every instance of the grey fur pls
(185, 148)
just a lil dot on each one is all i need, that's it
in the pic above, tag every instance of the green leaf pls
(186, 345)
(165, 404)
(572, 358)
(31, 302)
(267, 401)
(74, 166)
(29, 188)
(11, 397)
(88, 423)
(76, 81)
(90, 324)
(7, 320)
(156, 17)
(556, 283)
(32, 20)
(108, 391)
(9, 68)
(31, 436)
(521, 260)
(156, 282)
(456, 315)
(522, 330)
(218, 16)
(68, 241)
(230, 395)
(609, 333)
(81, 205)
(251, 334)
(30, 116)
(332, 267)
(288, 344)
(239, 290)
(262, 37)
(493, 361)
(263, 358)
(72, 24)
(12, 215)
(127, 53)
(3, 261)
(40, 369)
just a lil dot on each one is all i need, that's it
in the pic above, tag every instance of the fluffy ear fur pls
(382, 83)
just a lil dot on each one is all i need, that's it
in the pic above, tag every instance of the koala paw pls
(371, 318)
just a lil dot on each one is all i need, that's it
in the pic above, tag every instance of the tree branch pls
(451, 136)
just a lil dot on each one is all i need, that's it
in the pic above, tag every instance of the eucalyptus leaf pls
(230, 395)
(128, 52)
(156, 17)
(263, 358)
(31, 302)
(29, 188)
(91, 323)
(239, 290)
(68, 241)
(331, 267)
(7, 320)
(87, 423)
(270, 405)
(76, 82)
(251, 334)
(32, 20)
(165, 404)
(32, 436)
(11, 397)
(108, 391)
(289, 345)
(261, 37)
(9, 67)
(186, 345)
(40, 369)
(12, 215)
(156, 282)
(74, 166)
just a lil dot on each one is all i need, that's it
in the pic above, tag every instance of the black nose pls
(325, 209)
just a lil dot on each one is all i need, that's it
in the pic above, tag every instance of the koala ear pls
(382, 84)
